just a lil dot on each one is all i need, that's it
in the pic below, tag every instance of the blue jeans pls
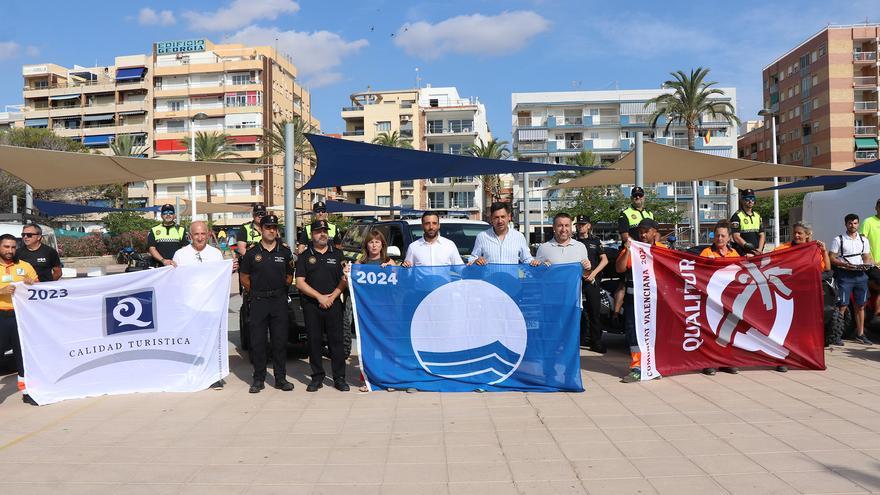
(851, 284)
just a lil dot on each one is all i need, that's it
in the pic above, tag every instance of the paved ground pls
(758, 432)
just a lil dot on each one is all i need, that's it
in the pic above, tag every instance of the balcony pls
(526, 146)
(353, 133)
(864, 56)
(868, 81)
(867, 155)
(528, 122)
(352, 109)
(865, 106)
(573, 146)
(865, 130)
(449, 131)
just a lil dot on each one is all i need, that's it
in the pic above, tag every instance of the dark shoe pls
(728, 369)
(257, 386)
(782, 369)
(315, 384)
(339, 384)
(218, 385)
(634, 376)
(863, 340)
(599, 348)
(284, 385)
(838, 342)
(27, 399)
(709, 371)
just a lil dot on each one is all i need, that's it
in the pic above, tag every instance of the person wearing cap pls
(591, 329)
(320, 280)
(165, 239)
(870, 228)
(628, 222)
(747, 225)
(319, 210)
(251, 233)
(266, 272)
(649, 234)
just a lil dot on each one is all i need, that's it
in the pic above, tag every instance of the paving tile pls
(821, 482)
(598, 469)
(483, 488)
(727, 464)
(780, 462)
(696, 485)
(666, 466)
(478, 472)
(414, 489)
(630, 486)
(416, 473)
(754, 484)
(542, 470)
(566, 487)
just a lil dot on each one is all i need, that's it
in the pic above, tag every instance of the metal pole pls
(192, 158)
(526, 205)
(732, 195)
(289, 186)
(541, 237)
(14, 203)
(675, 206)
(28, 199)
(640, 161)
(176, 206)
(694, 185)
(775, 184)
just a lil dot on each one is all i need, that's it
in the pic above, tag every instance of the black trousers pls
(269, 313)
(9, 339)
(591, 329)
(318, 322)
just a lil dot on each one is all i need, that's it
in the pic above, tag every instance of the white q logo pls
(133, 306)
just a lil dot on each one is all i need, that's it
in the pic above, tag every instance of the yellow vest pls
(174, 233)
(253, 234)
(15, 272)
(331, 231)
(634, 216)
(749, 223)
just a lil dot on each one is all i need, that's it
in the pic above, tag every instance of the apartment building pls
(754, 142)
(824, 93)
(550, 127)
(182, 87)
(430, 119)
(11, 117)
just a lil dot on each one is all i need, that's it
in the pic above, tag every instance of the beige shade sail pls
(670, 164)
(757, 185)
(45, 169)
(205, 207)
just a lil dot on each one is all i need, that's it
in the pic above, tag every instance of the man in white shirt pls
(432, 249)
(501, 244)
(198, 251)
(850, 254)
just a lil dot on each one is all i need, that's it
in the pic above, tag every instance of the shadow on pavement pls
(9, 386)
(868, 354)
(612, 363)
(868, 480)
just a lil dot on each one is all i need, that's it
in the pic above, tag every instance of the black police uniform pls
(43, 259)
(591, 330)
(323, 272)
(268, 270)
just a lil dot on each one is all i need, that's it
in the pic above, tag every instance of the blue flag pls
(461, 328)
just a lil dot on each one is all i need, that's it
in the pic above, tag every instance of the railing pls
(353, 133)
(866, 129)
(448, 130)
(679, 142)
(864, 56)
(715, 190)
(406, 184)
(406, 105)
(573, 121)
(866, 155)
(684, 191)
(865, 80)
(524, 122)
(531, 146)
(865, 105)
(574, 145)
(243, 126)
(607, 119)
(352, 109)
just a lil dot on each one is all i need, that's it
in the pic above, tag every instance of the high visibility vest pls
(173, 233)
(331, 230)
(749, 223)
(634, 216)
(253, 234)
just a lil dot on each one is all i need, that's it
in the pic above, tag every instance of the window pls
(175, 125)
(461, 199)
(436, 200)
(815, 80)
(815, 126)
(594, 111)
(383, 200)
(816, 150)
(244, 99)
(797, 111)
(821, 50)
(383, 126)
(175, 105)
(435, 126)
(458, 149)
(594, 135)
(806, 110)
(239, 79)
(435, 147)
(815, 103)
(814, 56)
(461, 125)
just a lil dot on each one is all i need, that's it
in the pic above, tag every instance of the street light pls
(192, 158)
(764, 113)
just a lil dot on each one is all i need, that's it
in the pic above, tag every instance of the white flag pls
(162, 330)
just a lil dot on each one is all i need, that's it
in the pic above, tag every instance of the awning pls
(203, 207)
(44, 169)
(667, 164)
(244, 139)
(343, 163)
(133, 112)
(872, 168)
(343, 207)
(531, 134)
(130, 73)
(55, 208)
(36, 122)
(98, 118)
(91, 76)
(100, 139)
(63, 97)
(637, 108)
(866, 143)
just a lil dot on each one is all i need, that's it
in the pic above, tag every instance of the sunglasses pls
(320, 211)
(168, 212)
(260, 214)
(28, 234)
(638, 196)
(750, 198)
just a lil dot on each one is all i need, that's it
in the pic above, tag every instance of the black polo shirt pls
(594, 249)
(268, 268)
(166, 247)
(43, 259)
(322, 272)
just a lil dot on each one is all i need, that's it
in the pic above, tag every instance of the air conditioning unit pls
(406, 118)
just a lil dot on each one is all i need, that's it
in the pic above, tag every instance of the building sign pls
(29, 70)
(180, 46)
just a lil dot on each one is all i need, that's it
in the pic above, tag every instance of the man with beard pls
(432, 249)
(13, 270)
(501, 244)
(43, 258)
(165, 239)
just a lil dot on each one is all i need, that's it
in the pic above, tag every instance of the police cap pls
(582, 219)
(319, 225)
(637, 191)
(747, 193)
(259, 209)
(319, 207)
(167, 208)
(269, 221)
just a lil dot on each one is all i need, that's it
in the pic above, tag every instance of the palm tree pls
(212, 147)
(274, 142)
(127, 145)
(393, 140)
(496, 150)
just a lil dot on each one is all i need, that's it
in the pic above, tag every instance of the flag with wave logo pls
(464, 328)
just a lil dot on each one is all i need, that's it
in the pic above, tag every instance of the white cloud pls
(239, 13)
(11, 49)
(479, 34)
(316, 55)
(149, 17)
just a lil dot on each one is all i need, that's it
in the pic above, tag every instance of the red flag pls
(694, 313)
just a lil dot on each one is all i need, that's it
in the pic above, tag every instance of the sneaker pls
(257, 386)
(709, 371)
(283, 385)
(339, 384)
(838, 342)
(729, 369)
(315, 384)
(782, 369)
(27, 399)
(218, 385)
(863, 340)
(634, 375)
(599, 348)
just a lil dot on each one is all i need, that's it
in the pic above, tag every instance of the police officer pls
(628, 222)
(747, 225)
(320, 280)
(250, 233)
(266, 271)
(164, 240)
(591, 334)
(319, 210)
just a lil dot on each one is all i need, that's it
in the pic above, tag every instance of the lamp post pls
(192, 158)
(764, 113)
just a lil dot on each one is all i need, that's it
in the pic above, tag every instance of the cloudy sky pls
(487, 49)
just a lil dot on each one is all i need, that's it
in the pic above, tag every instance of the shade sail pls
(203, 207)
(871, 168)
(342, 207)
(667, 164)
(55, 208)
(344, 163)
(44, 169)
(764, 188)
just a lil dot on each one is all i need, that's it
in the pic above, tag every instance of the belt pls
(261, 294)
(9, 313)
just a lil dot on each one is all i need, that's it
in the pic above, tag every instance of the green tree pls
(121, 222)
(604, 204)
(125, 145)
(764, 206)
(393, 140)
(496, 150)
(212, 147)
(274, 142)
